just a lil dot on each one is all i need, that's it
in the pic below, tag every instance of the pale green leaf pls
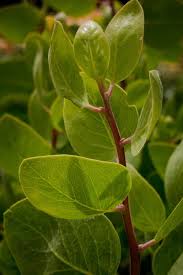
(174, 176)
(92, 49)
(45, 245)
(125, 35)
(89, 133)
(168, 257)
(149, 115)
(73, 187)
(63, 68)
(160, 153)
(148, 211)
(16, 21)
(173, 220)
(17, 142)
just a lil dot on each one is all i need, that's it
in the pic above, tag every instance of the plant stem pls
(54, 138)
(146, 245)
(133, 245)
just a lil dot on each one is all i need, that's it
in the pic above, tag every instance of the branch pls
(95, 109)
(125, 141)
(146, 245)
(126, 215)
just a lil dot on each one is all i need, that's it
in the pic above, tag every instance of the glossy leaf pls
(89, 133)
(168, 257)
(17, 20)
(57, 246)
(160, 153)
(173, 220)
(18, 141)
(68, 186)
(73, 7)
(63, 68)
(149, 115)
(125, 35)
(147, 209)
(92, 49)
(174, 176)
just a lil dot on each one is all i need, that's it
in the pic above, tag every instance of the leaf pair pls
(114, 53)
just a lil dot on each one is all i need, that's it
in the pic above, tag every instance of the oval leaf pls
(174, 176)
(72, 187)
(125, 35)
(59, 246)
(147, 209)
(63, 68)
(17, 142)
(149, 115)
(92, 49)
(173, 220)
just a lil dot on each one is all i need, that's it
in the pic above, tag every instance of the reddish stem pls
(146, 245)
(133, 245)
(54, 138)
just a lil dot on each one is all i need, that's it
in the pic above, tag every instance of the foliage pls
(90, 135)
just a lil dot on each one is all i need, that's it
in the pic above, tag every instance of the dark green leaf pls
(73, 7)
(16, 21)
(174, 176)
(168, 257)
(58, 246)
(18, 141)
(173, 220)
(160, 153)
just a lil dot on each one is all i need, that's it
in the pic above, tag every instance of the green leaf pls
(73, 7)
(16, 21)
(56, 113)
(63, 68)
(125, 35)
(17, 142)
(68, 186)
(7, 263)
(89, 133)
(59, 246)
(148, 211)
(149, 115)
(92, 50)
(160, 153)
(39, 116)
(20, 80)
(174, 176)
(173, 220)
(168, 257)
(137, 92)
